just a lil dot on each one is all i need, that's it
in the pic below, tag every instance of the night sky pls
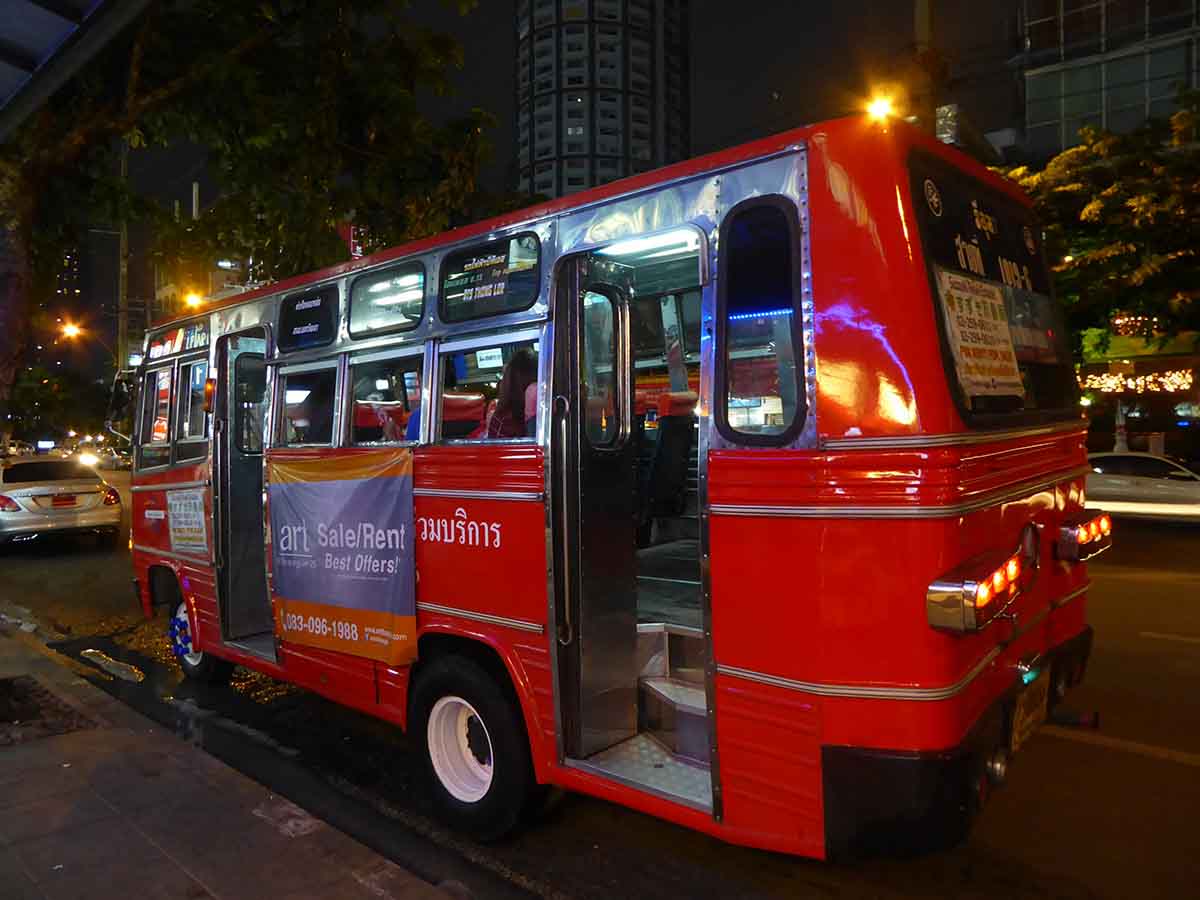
(757, 67)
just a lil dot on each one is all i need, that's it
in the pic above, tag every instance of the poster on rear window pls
(343, 568)
(979, 336)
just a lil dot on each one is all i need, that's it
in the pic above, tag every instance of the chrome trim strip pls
(527, 496)
(519, 624)
(168, 486)
(865, 692)
(830, 511)
(1063, 601)
(170, 554)
(921, 441)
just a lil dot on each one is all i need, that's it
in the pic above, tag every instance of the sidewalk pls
(98, 802)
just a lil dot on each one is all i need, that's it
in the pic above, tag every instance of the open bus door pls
(594, 472)
(245, 604)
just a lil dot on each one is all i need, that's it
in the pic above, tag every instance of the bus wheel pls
(473, 748)
(196, 664)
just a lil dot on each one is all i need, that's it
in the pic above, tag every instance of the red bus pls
(752, 494)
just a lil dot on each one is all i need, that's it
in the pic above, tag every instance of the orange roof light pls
(1106, 524)
(999, 580)
(1081, 534)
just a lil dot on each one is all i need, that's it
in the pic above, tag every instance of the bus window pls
(389, 300)
(600, 369)
(488, 280)
(1003, 337)
(760, 377)
(489, 392)
(156, 419)
(308, 407)
(191, 434)
(250, 385)
(387, 392)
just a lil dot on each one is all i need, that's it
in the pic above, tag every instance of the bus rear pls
(946, 577)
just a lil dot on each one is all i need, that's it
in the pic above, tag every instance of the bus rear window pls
(1003, 338)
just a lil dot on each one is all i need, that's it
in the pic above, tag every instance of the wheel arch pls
(501, 664)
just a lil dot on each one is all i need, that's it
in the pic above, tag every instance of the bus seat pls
(379, 420)
(666, 487)
(482, 431)
(463, 415)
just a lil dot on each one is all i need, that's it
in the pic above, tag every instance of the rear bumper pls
(27, 526)
(902, 802)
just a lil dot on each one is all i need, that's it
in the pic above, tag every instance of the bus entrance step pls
(675, 713)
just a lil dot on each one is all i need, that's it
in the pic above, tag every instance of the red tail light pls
(971, 596)
(112, 497)
(1084, 535)
(8, 504)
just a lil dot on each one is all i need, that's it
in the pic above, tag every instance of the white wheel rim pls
(183, 636)
(460, 749)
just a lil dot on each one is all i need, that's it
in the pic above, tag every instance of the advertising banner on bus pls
(342, 551)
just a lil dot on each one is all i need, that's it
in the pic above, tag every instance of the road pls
(1107, 813)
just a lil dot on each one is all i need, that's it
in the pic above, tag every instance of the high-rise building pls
(1108, 64)
(602, 90)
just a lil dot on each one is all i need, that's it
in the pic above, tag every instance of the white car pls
(43, 495)
(1143, 485)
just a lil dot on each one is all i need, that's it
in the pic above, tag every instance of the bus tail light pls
(972, 595)
(1083, 536)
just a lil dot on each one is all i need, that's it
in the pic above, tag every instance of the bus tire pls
(473, 748)
(196, 664)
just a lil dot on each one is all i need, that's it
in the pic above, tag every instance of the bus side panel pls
(770, 757)
(343, 678)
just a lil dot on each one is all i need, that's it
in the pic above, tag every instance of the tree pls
(1122, 218)
(308, 109)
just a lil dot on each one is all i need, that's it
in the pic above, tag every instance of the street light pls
(71, 330)
(881, 108)
(192, 300)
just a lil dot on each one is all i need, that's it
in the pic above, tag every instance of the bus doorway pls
(246, 616)
(631, 663)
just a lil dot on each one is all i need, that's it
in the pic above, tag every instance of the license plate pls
(1030, 711)
(63, 500)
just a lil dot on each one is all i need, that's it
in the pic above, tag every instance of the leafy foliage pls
(311, 112)
(1122, 217)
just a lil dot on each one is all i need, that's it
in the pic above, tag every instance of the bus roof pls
(720, 159)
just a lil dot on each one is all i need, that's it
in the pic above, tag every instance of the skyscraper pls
(602, 90)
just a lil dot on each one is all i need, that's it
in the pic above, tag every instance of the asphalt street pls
(1103, 813)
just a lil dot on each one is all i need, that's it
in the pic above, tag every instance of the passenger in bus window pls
(312, 422)
(508, 419)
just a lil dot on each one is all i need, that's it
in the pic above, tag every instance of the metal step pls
(675, 713)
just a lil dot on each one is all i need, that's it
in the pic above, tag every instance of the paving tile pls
(107, 845)
(157, 883)
(29, 786)
(20, 887)
(51, 814)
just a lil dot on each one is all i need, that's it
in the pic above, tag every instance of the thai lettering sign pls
(342, 551)
(978, 332)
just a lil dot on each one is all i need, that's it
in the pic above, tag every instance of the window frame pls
(280, 437)
(520, 334)
(410, 351)
(170, 366)
(444, 271)
(394, 329)
(720, 404)
(179, 403)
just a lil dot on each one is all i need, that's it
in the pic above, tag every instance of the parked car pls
(1144, 485)
(56, 496)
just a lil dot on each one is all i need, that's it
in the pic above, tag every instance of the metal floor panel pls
(683, 694)
(261, 645)
(643, 762)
